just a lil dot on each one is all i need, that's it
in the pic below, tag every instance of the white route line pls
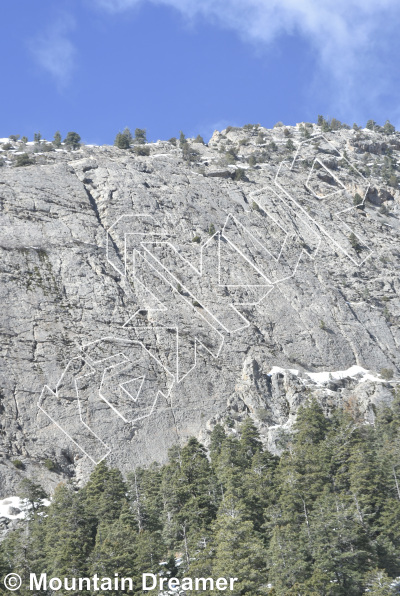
(143, 239)
(137, 342)
(199, 272)
(196, 339)
(73, 440)
(319, 225)
(268, 189)
(39, 404)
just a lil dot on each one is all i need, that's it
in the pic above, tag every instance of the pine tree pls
(311, 425)
(15, 550)
(32, 494)
(326, 126)
(170, 567)
(335, 124)
(290, 145)
(341, 547)
(57, 139)
(182, 139)
(388, 541)
(144, 490)
(229, 466)
(366, 482)
(22, 551)
(149, 553)
(116, 548)
(388, 128)
(239, 551)
(250, 443)
(189, 496)
(70, 534)
(288, 556)
(5, 567)
(378, 583)
(128, 135)
(140, 136)
(24, 547)
(259, 487)
(218, 434)
(105, 493)
(121, 141)
(124, 139)
(72, 140)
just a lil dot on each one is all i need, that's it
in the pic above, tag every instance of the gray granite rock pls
(145, 299)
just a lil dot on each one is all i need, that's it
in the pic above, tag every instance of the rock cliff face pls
(145, 298)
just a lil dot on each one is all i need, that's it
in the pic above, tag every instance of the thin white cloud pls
(347, 36)
(54, 51)
(324, 22)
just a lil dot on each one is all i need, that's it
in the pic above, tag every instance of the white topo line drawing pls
(123, 374)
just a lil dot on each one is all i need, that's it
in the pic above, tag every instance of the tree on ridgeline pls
(124, 139)
(72, 140)
(140, 136)
(57, 139)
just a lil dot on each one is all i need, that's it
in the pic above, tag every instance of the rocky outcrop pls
(273, 397)
(144, 299)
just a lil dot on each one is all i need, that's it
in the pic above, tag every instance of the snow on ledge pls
(16, 503)
(320, 378)
(277, 369)
(323, 377)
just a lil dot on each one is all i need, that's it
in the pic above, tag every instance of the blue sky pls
(96, 66)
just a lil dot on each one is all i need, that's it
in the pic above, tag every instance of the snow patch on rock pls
(321, 378)
(16, 508)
